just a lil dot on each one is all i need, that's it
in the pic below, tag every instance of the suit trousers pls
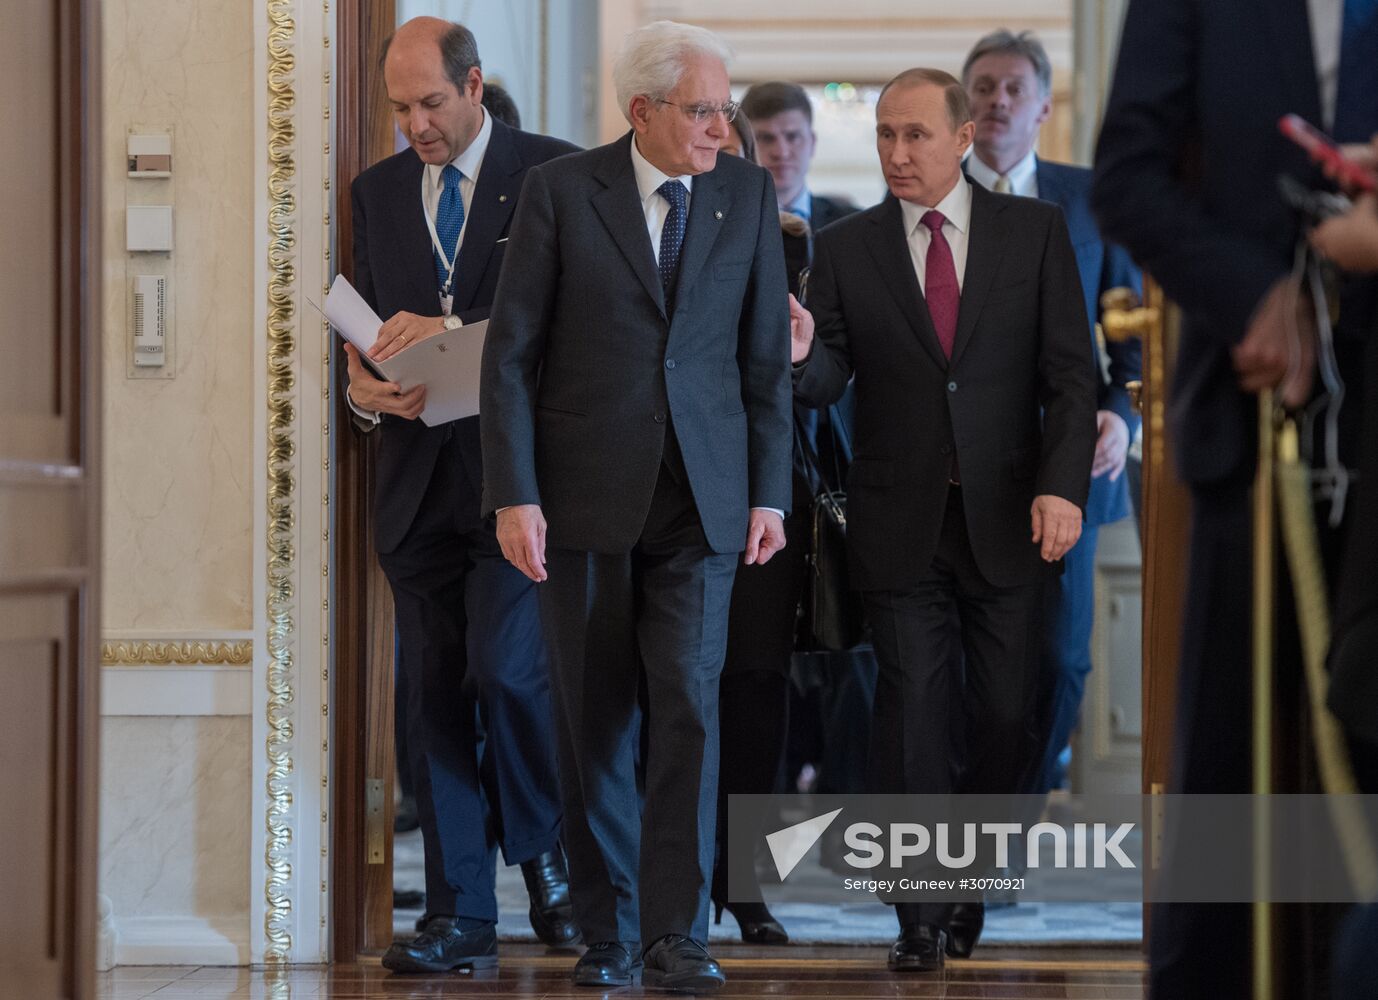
(1065, 662)
(954, 640)
(463, 610)
(640, 871)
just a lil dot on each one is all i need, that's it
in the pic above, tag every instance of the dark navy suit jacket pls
(394, 270)
(1186, 178)
(1103, 266)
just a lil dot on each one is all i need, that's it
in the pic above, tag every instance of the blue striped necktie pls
(449, 220)
(1356, 97)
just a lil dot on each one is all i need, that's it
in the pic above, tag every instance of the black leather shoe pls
(678, 963)
(964, 929)
(919, 948)
(754, 921)
(442, 946)
(551, 914)
(607, 963)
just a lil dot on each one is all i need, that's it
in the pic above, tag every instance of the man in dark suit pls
(636, 434)
(960, 313)
(781, 117)
(1186, 178)
(462, 611)
(1009, 82)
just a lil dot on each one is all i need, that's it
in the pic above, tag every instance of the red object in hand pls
(1324, 151)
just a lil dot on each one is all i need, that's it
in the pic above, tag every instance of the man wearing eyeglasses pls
(636, 442)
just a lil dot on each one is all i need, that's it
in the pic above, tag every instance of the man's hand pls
(1362, 154)
(1279, 347)
(1112, 445)
(800, 333)
(402, 331)
(765, 535)
(1056, 525)
(1351, 240)
(369, 393)
(521, 533)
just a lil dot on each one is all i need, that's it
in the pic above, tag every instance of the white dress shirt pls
(1327, 23)
(468, 163)
(1023, 176)
(654, 204)
(956, 209)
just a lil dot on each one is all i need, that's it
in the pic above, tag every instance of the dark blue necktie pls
(1356, 98)
(672, 236)
(449, 220)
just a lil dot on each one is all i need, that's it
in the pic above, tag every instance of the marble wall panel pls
(174, 824)
(179, 448)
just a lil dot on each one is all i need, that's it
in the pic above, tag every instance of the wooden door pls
(363, 740)
(50, 311)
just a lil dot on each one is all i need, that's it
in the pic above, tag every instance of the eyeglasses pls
(702, 112)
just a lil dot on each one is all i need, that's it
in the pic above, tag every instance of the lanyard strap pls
(448, 260)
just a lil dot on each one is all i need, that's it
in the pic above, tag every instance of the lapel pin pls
(717, 215)
(502, 197)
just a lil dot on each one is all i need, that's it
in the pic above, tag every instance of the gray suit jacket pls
(583, 371)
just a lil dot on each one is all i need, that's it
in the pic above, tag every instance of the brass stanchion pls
(1263, 633)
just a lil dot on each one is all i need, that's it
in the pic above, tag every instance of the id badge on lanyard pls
(447, 298)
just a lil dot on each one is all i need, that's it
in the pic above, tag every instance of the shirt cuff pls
(369, 415)
(773, 510)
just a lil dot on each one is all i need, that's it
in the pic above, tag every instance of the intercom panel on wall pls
(150, 320)
(150, 262)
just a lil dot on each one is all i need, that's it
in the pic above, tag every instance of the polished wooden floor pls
(530, 971)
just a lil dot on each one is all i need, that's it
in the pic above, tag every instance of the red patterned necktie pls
(942, 295)
(940, 283)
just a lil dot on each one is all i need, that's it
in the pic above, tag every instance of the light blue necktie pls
(1356, 97)
(672, 236)
(449, 220)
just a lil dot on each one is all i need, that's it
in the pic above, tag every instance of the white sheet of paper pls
(352, 317)
(447, 364)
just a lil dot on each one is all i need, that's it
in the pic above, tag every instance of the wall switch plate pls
(148, 228)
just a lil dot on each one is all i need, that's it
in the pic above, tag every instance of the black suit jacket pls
(1016, 404)
(1186, 178)
(825, 211)
(394, 270)
(582, 367)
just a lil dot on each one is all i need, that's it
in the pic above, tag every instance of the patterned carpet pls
(862, 923)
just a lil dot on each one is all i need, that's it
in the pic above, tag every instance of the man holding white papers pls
(430, 228)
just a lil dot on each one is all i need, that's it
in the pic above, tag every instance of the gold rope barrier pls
(1313, 619)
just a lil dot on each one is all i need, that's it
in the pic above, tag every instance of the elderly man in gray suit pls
(636, 438)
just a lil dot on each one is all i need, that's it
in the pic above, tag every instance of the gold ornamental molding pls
(281, 499)
(187, 653)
